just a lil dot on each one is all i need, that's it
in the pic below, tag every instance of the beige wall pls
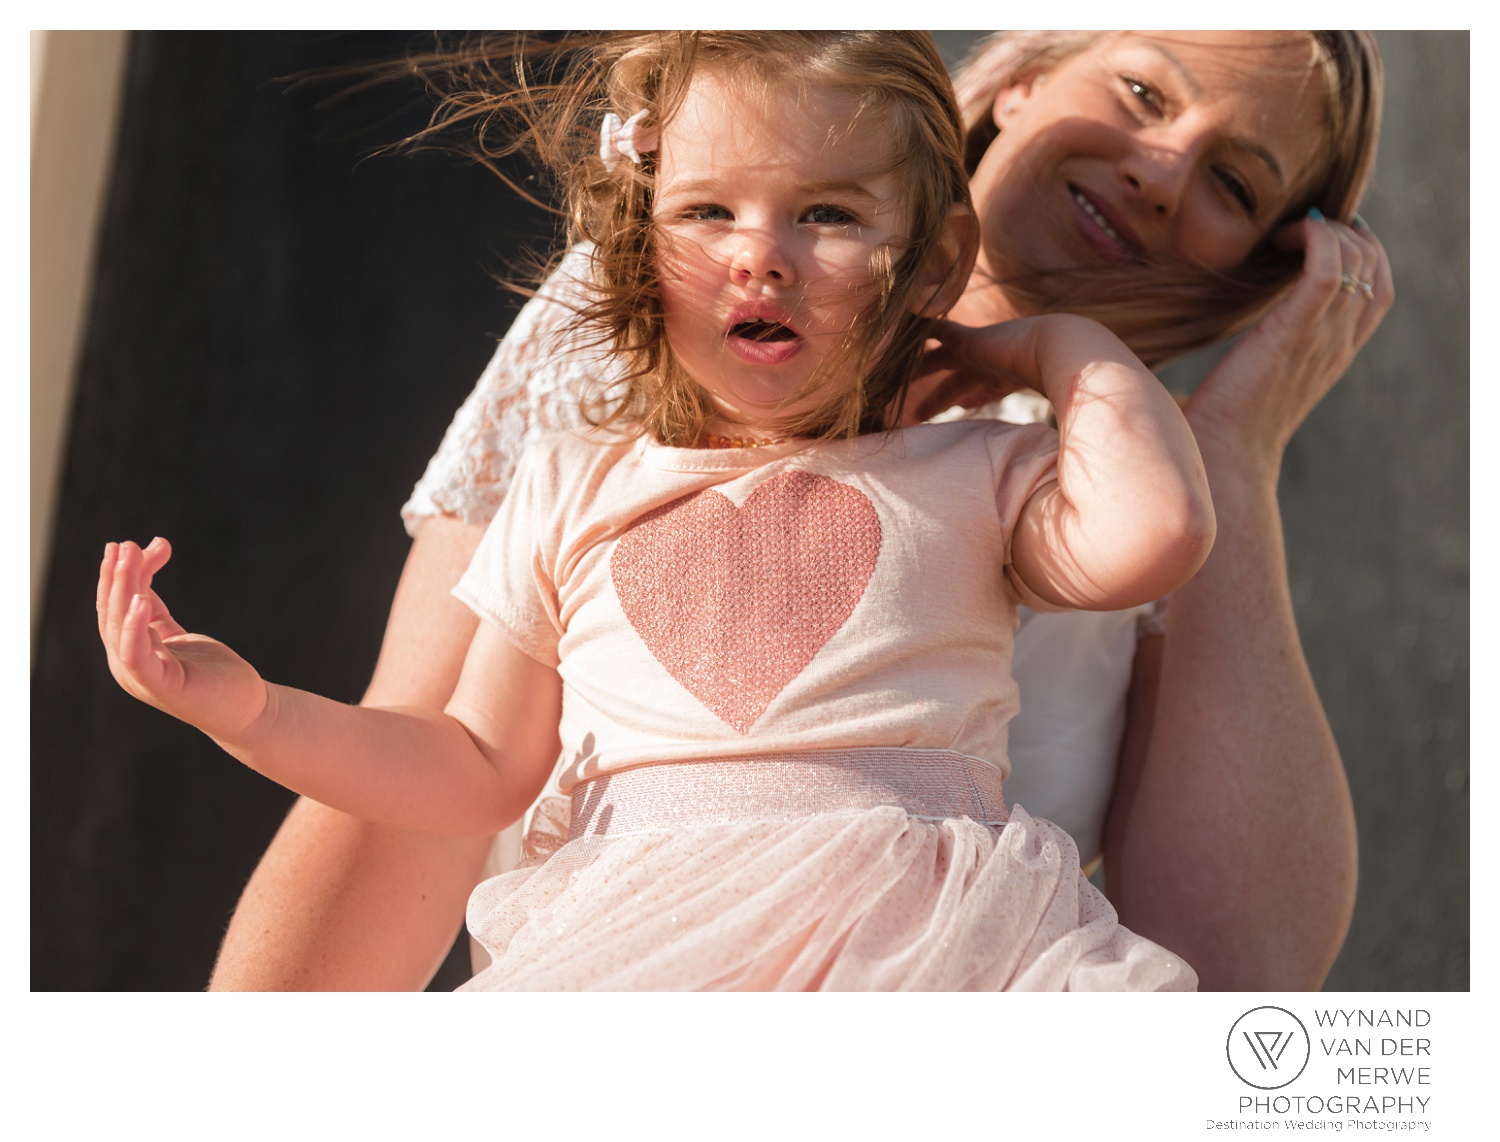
(75, 96)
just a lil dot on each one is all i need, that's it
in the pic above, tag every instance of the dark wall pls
(282, 331)
(280, 334)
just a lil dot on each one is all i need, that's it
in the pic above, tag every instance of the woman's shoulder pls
(547, 333)
(581, 446)
(574, 457)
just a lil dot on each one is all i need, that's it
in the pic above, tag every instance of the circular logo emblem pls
(1268, 1047)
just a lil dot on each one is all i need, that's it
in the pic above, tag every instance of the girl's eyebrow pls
(847, 187)
(844, 187)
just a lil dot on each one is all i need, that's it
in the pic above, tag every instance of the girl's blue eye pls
(706, 212)
(825, 215)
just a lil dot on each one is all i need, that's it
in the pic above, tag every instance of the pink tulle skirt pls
(843, 870)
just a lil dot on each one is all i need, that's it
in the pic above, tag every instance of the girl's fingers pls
(162, 621)
(121, 590)
(135, 642)
(106, 581)
(154, 557)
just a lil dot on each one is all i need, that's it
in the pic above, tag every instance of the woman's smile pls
(1104, 227)
(1148, 148)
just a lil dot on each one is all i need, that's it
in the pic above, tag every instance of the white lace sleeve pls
(532, 385)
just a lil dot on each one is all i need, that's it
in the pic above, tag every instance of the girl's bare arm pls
(1129, 516)
(337, 903)
(472, 768)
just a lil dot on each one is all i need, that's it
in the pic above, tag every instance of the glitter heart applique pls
(735, 602)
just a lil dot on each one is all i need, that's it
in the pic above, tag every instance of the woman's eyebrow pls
(1260, 152)
(1240, 142)
(1177, 65)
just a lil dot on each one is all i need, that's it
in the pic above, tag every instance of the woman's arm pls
(1231, 836)
(337, 903)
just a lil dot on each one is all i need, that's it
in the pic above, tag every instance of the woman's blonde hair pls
(522, 91)
(1164, 311)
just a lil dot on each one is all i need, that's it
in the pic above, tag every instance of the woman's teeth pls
(1088, 208)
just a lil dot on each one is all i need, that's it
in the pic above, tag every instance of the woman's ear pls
(946, 273)
(1009, 100)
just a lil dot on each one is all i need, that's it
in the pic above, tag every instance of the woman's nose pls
(760, 256)
(1159, 174)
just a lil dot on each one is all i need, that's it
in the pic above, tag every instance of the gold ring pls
(1348, 283)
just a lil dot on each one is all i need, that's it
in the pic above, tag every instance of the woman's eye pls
(1237, 188)
(826, 215)
(1145, 93)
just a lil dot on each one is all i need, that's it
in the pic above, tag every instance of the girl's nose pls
(760, 257)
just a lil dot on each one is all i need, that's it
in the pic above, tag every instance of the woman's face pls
(1150, 147)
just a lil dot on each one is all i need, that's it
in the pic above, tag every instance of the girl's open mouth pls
(762, 331)
(760, 339)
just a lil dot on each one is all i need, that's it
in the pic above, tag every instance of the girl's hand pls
(948, 379)
(1264, 388)
(189, 676)
(1043, 353)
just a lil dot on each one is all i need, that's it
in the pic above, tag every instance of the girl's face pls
(770, 215)
(1173, 146)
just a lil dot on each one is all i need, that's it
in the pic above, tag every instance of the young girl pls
(768, 633)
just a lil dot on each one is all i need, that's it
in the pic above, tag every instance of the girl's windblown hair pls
(550, 97)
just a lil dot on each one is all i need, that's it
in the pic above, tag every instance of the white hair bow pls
(628, 138)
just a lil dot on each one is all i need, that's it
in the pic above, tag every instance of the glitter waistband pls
(926, 783)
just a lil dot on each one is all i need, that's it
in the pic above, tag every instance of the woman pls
(1163, 185)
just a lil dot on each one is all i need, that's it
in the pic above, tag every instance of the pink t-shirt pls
(706, 603)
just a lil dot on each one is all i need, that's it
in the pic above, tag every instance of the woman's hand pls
(189, 676)
(1264, 388)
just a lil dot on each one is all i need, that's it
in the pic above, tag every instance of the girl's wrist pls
(244, 742)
